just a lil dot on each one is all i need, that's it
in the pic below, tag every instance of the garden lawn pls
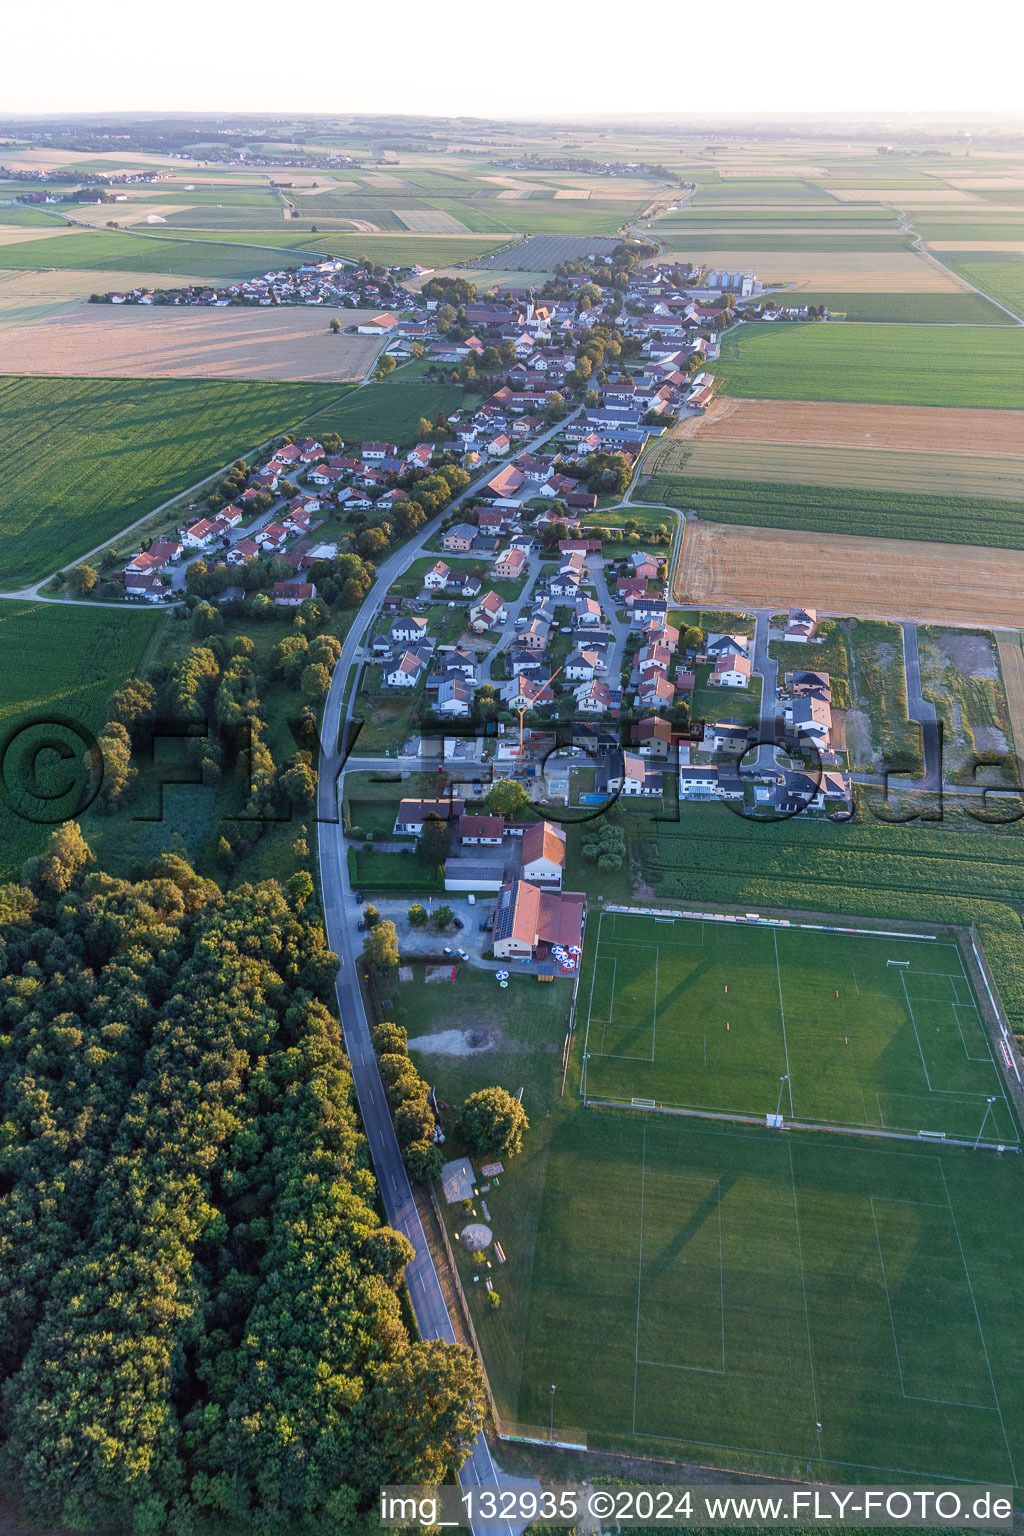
(94, 455)
(971, 366)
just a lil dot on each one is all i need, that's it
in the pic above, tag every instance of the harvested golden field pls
(27, 296)
(138, 342)
(912, 197)
(1015, 247)
(904, 428)
(843, 271)
(726, 565)
(934, 474)
(17, 235)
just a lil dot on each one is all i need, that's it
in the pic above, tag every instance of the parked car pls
(449, 952)
(359, 898)
(458, 922)
(361, 925)
(463, 954)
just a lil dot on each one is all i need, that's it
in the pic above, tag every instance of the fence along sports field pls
(855, 1031)
(742, 1285)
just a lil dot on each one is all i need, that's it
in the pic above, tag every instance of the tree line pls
(200, 1307)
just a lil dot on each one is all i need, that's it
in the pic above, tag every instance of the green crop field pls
(407, 250)
(742, 1287)
(1003, 280)
(96, 454)
(941, 226)
(894, 514)
(866, 1031)
(59, 661)
(973, 366)
(108, 250)
(23, 217)
(912, 308)
(389, 409)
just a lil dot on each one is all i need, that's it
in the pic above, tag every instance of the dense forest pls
(202, 1323)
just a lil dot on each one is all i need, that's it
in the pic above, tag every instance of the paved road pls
(341, 915)
(919, 709)
(766, 667)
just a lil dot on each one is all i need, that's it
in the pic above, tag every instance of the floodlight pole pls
(782, 1083)
(551, 1420)
(988, 1111)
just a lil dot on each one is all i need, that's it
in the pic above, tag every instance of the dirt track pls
(723, 565)
(906, 428)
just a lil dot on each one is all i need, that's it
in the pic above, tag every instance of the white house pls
(730, 671)
(544, 853)
(436, 578)
(406, 672)
(698, 782)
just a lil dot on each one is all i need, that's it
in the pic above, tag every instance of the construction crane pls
(522, 712)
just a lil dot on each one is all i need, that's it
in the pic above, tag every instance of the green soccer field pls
(715, 1292)
(835, 1029)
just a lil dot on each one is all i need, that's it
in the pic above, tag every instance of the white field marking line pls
(888, 1300)
(913, 1397)
(803, 1279)
(639, 1273)
(917, 1037)
(752, 1134)
(590, 1004)
(988, 1047)
(854, 975)
(606, 1024)
(782, 1014)
(689, 1178)
(881, 1117)
(654, 1009)
(963, 1037)
(977, 1318)
(756, 1450)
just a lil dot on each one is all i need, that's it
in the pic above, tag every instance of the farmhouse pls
(458, 539)
(291, 594)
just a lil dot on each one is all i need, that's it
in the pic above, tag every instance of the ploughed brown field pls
(723, 565)
(104, 341)
(906, 428)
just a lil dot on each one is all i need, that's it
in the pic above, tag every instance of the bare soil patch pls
(905, 428)
(456, 1042)
(102, 341)
(724, 564)
(973, 655)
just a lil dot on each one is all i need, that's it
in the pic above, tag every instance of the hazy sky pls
(533, 59)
